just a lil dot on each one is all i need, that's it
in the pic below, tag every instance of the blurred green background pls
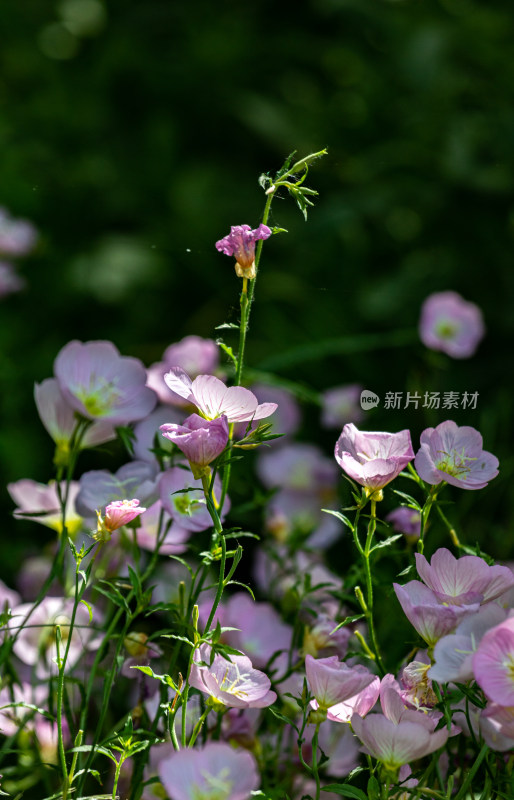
(133, 132)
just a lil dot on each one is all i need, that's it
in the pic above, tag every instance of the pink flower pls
(120, 513)
(332, 681)
(493, 663)
(10, 281)
(453, 654)
(373, 459)
(360, 703)
(399, 735)
(451, 324)
(288, 415)
(405, 520)
(240, 243)
(497, 726)
(427, 615)
(201, 440)
(213, 399)
(398, 743)
(341, 405)
(39, 502)
(194, 355)
(187, 508)
(99, 383)
(452, 454)
(461, 581)
(17, 236)
(213, 772)
(147, 436)
(233, 683)
(259, 632)
(36, 643)
(99, 487)
(147, 533)
(59, 418)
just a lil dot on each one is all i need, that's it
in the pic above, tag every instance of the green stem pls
(60, 740)
(471, 774)
(100, 654)
(117, 777)
(221, 584)
(369, 585)
(315, 760)
(245, 301)
(425, 512)
(198, 727)
(78, 741)
(449, 526)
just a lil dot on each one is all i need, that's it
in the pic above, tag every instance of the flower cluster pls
(269, 679)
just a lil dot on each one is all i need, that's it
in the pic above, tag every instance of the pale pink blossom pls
(465, 580)
(431, 618)
(405, 520)
(215, 772)
(341, 405)
(497, 727)
(233, 683)
(99, 383)
(260, 632)
(373, 459)
(60, 420)
(17, 236)
(451, 324)
(10, 280)
(331, 681)
(36, 643)
(454, 454)
(188, 509)
(453, 654)
(150, 527)
(399, 735)
(39, 502)
(147, 436)
(194, 355)
(360, 703)
(493, 663)
(99, 487)
(213, 399)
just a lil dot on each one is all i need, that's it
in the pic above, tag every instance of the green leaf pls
(135, 581)
(86, 748)
(178, 638)
(244, 585)
(115, 596)
(226, 326)
(31, 707)
(90, 610)
(228, 350)
(127, 436)
(387, 542)
(345, 790)
(303, 163)
(373, 788)
(412, 503)
(339, 516)
(283, 718)
(348, 621)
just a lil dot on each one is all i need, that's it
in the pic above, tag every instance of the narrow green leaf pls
(345, 790)
(387, 542)
(339, 516)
